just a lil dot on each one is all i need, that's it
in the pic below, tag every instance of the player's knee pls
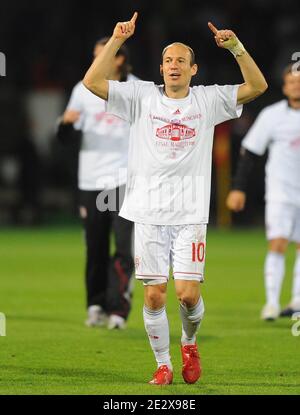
(188, 293)
(278, 245)
(188, 299)
(154, 297)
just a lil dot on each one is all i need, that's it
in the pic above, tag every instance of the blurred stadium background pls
(48, 46)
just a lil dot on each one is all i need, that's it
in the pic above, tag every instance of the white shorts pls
(159, 247)
(282, 221)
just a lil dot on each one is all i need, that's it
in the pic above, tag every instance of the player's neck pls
(176, 93)
(114, 75)
(294, 103)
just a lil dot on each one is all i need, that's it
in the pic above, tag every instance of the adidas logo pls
(177, 112)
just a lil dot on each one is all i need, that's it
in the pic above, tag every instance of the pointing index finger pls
(212, 28)
(134, 17)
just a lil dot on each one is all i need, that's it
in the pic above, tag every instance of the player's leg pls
(191, 309)
(120, 273)
(157, 328)
(274, 270)
(294, 305)
(278, 230)
(96, 232)
(188, 268)
(152, 267)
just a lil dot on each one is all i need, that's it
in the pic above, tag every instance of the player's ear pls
(194, 69)
(120, 60)
(161, 70)
(284, 89)
(285, 85)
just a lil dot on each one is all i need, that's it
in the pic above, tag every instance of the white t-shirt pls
(170, 149)
(277, 128)
(103, 154)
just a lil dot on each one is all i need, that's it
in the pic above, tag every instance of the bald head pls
(177, 69)
(190, 50)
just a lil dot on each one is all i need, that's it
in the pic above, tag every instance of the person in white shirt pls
(103, 158)
(168, 186)
(276, 129)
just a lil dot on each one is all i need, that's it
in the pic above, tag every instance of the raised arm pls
(255, 83)
(95, 78)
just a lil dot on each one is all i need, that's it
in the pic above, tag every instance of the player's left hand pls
(226, 39)
(236, 200)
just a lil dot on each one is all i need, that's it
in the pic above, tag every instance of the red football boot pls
(191, 369)
(162, 376)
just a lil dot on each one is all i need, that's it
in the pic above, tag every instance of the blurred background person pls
(277, 129)
(19, 163)
(102, 168)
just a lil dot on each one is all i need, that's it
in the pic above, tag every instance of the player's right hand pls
(124, 30)
(236, 200)
(70, 116)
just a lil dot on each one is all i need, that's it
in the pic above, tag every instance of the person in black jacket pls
(102, 173)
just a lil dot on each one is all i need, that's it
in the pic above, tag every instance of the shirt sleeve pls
(221, 103)
(121, 97)
(259, 136)
(76, 104)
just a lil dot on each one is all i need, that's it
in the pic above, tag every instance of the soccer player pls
(276, 129)
(103, 168)
(168, 187)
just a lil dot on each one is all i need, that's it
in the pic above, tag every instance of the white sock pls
(94, 308)
(157, 328)
(191, 319)
(274, 273)
(296, 283)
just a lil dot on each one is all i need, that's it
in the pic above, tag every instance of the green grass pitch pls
(48, 350)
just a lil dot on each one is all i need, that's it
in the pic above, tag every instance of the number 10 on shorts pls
(198, 251)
